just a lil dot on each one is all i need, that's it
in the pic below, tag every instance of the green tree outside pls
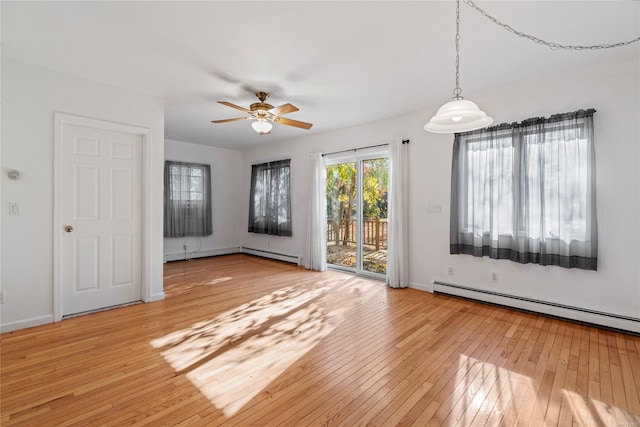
(342, 192)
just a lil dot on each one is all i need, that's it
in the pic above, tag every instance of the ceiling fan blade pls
(290, 122)
(283, 109)
(237, 107)
(231, 120)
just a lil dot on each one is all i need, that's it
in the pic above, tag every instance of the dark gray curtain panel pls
(270, 198)
(527, 192)
(187, 199)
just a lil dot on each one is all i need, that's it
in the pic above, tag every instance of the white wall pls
(226, 191)
(613, 90)
(30, 96)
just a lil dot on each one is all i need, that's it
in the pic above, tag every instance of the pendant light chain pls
(550, 45)
(457, 92)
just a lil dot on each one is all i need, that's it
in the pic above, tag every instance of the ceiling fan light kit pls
(265, 115)
(262, 126)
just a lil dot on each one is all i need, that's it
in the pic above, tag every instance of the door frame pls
(60, 120)
(357, 156)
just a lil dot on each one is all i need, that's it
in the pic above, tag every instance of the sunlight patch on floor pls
(234, 356)
(482, 388)
(218, 280)
(589, 412)
(188, 346)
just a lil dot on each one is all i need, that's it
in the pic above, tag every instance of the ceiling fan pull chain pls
(550, 45)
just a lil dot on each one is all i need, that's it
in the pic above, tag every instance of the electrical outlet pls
(2, 296)
(494, 277)
(14, 208)
(450, 271)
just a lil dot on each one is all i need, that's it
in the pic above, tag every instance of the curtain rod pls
(404, 141)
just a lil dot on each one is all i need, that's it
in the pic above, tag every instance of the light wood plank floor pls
(243, 341)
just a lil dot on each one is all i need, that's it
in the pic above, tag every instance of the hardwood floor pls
(243, 341)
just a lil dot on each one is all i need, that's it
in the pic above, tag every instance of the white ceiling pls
(342, 63)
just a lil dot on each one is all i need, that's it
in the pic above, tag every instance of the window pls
(187, 199)
(270, 198)
(526, 192)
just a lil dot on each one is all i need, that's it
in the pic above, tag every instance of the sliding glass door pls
(357, 220)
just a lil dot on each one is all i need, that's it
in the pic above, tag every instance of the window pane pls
(489, 187)
(375, 180)
(557, 182)
(270, 199)
(188, 209)
(186, 183)
(526, 192)
(342, 194)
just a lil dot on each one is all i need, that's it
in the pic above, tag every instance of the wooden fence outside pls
(343, 231)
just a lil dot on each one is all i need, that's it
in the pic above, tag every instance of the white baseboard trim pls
(26, 323)
(422, 287)
(295, 259)
(594, 317)
(179, 256)
(156, 297)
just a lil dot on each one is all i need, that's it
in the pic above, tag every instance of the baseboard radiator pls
(186, 255)
(599, 318)
(179, 256)
(295, 259)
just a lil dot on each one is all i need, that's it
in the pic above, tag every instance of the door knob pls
(68, 228)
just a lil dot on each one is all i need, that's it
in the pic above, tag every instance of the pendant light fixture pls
(459, 114)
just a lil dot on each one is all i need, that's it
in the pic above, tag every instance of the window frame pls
(187, 216)
(265, 218)
(552, 189)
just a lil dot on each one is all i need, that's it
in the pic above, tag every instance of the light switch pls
(14, 208)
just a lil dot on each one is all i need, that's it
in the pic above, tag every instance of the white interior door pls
(100, 196)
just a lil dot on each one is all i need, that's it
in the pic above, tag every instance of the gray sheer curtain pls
(270, 198)
(398, 249)
(527, 192)
(187, 199)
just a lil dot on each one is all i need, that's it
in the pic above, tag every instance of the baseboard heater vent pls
(201, 253)
(273, 255)
(594, 317)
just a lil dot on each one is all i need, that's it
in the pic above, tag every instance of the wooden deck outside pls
(375, 232)
(242, 341)
(373, 260)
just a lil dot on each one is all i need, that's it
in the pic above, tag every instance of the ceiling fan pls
(264, 114)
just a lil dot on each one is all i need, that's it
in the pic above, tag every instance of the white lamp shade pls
(459, 115)
(261, 126)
